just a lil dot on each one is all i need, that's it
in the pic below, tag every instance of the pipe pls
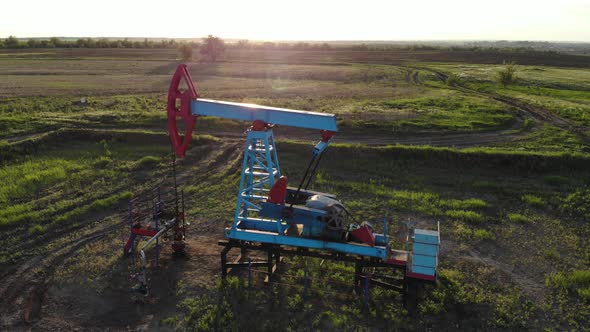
(143, 278)
(167, 226)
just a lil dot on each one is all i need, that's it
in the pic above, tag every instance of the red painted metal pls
(259, 125)
(365, 235)
(394, 261)
(420, 276)
(143, 231)
(185, 97)
(278, 192)
(326, 135)
(127, 249)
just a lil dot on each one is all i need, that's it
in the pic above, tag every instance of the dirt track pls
(29, 299)
(538, 114)
(516, 131)
(24, 286)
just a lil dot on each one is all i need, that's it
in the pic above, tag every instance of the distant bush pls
(12, 42)
(507, 75)
(186, 52)
(452, 80)
(212, 48)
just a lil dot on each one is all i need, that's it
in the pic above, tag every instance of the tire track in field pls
(22, 292)
(23, 288)
(536, 113)
(413, 77)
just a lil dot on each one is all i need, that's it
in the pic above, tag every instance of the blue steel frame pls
(260, 170)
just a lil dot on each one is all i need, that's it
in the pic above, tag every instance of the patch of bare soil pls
(22, 292)
(114, 306)
(32, 297)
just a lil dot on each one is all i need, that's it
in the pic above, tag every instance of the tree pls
(56, 42)
(243, 44)
(212, 48)
(186, 52)
(507, 75)
(12, 42)
(32, 43)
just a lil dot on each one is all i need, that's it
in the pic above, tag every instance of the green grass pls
(53, 186)
(464, 215)
(98, 205)
(511, 212)
(454, 111)
(564, 91)
(533, 200)
(577, 203)
(577, 281)
(517, 218)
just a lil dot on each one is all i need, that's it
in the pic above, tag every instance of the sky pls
(554, 20)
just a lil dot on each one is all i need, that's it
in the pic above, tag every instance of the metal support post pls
(156, 212)
(305, 283)
(249, 272)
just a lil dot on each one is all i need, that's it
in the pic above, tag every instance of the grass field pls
(504, 170)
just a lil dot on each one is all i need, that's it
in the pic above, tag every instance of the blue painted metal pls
(426, 236)
(260, 169)
(258, 221)
(425, 249)
(425, 252)
(273, 115)
(320, 147)
(424, 260)
(429, 271)
(274, 238)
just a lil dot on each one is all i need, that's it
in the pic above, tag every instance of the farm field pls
(505, 170)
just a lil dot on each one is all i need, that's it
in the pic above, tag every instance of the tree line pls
(13, 42)
(55, 42)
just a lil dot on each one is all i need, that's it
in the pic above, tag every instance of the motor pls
(332, 227)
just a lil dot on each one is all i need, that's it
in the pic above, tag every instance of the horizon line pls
(314, 40)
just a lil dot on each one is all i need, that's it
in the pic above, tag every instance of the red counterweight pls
(184, 112)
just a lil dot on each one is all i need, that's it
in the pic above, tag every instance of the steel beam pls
(272, 115)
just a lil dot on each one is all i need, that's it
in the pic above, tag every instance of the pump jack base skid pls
(274, 254)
